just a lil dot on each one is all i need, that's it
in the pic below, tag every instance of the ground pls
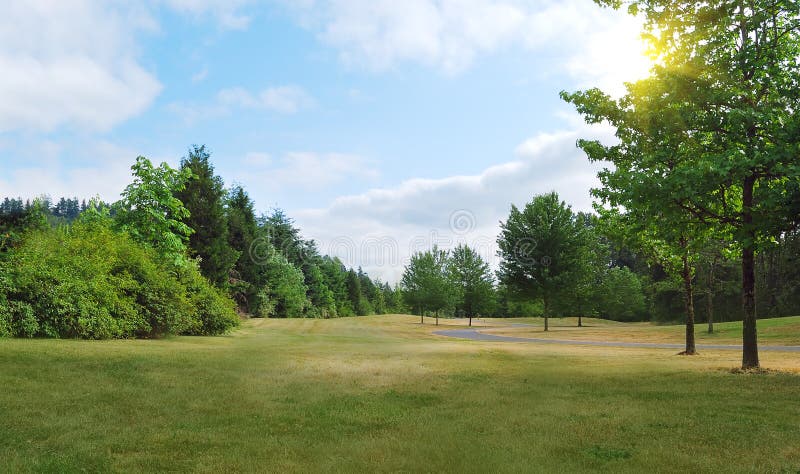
(384, 393)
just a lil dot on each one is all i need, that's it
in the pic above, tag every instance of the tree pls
(425, 282)
(242, 234)
(665, 236)
(471, 277)
(595, 261)
(204, 198)
(355, 293)
(16, 221)
(150, 212)
(319, 295)
(543, 250)
(285, 237)
(723, 91)
(335, 277)
(620, 295)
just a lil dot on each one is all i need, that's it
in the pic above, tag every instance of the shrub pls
(91, 282)
(23, 322)
(215, 313)
(5, 311)
(5, 319)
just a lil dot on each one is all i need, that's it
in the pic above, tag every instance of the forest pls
(179, 254)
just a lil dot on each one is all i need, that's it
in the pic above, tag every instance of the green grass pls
(777, 331)
(384, 394)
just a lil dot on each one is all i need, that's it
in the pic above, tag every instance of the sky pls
(382, 127)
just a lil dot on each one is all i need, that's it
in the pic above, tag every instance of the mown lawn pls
(777, 331)
(384, 394)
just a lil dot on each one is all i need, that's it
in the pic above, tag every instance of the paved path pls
(476, 335)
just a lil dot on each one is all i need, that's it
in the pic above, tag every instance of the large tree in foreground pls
(727, 78)
(543, 251)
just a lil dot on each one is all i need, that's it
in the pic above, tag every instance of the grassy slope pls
(778, 331)
(382, 393)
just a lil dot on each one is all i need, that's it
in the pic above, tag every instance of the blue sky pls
(365, 120)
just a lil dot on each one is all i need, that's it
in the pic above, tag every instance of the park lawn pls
(777, 331)
(383, 393)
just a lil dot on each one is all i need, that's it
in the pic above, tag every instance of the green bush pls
(92, 282)
(5, 311)
(5, 319)
(23, 322)
(215, 313)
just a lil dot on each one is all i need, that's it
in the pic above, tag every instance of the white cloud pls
(56, 172)
(256, 159)
(304, 171)
(71, 62)
(451, 34)
(287, 99)
(380, 229)
(226, 12)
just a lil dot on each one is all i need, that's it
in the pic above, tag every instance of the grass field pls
(383, 394)
(778, 331)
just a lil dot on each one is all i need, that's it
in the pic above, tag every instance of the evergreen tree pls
(248, 275)
(204, 198)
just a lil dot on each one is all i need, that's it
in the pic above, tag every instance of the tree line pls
(704, 171)
(555, 262)
(179, 253)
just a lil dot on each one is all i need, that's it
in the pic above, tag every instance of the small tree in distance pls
(425, 283)
(543, 250)
(472, 279)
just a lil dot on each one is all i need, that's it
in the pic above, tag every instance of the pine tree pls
(204, 196)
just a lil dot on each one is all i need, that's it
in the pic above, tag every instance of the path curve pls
(476, 335)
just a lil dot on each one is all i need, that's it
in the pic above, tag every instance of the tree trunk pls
(470, 321)
(437, 317)
(580, 323)
(749, 334)
(686, 273)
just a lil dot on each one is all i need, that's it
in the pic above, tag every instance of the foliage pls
(204, 198)
(473, 281)
(321, 298)
(713, 130)
(150, 212)
(619, 297)
(284, 294)
(16, 220)
(215, 311)
(425, 282)
(69, 289)
(543, 249)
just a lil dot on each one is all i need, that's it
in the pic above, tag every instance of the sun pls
(614, 56)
